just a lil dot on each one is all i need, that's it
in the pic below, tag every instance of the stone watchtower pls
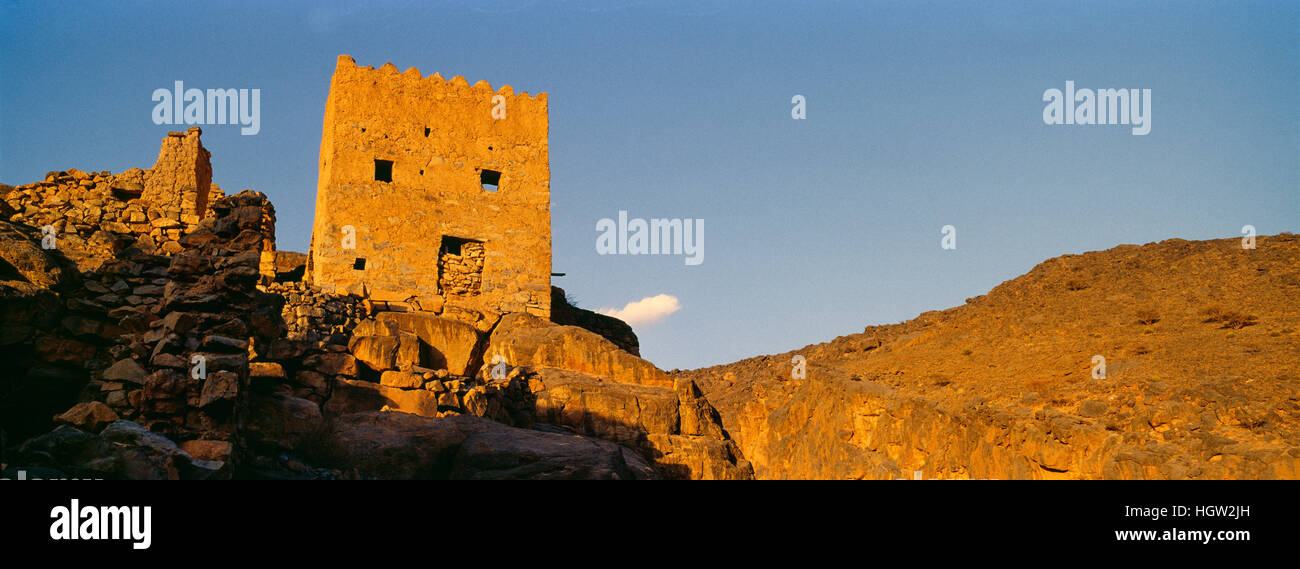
(433, 189)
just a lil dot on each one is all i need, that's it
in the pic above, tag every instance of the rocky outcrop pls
(523, 339)
(672, 428)
(676, 429)
(395, 445)
(617, 331)
(442, 343)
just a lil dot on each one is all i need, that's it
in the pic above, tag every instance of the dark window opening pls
(426, 131)
(452, 245)
(421, 172)
(489, 179)
(359, 264)
(384, 170)
(363, 129)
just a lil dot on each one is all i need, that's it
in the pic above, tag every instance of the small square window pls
(489, 179)
(383, 170)
(359, 264)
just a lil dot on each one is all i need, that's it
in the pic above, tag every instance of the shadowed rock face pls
(1202, 377)
(396, 445)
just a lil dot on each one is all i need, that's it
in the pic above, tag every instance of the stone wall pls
(313, 315)
(443, 143)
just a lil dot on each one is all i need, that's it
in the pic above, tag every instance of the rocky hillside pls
(1201, 378)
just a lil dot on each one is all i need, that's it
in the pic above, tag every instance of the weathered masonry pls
(433, 191)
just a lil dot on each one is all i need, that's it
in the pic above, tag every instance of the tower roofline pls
(347, 64)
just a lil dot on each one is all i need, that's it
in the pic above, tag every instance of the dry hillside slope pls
(1202, 377)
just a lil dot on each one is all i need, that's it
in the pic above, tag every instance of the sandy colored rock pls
(1002, 387)
(208, 450)
(266, 370)
(442, 343)
(401, 379)
(352, 396)
(376, 352)
(523, 339)
(127, 370)
(88, 416)
(675, 430)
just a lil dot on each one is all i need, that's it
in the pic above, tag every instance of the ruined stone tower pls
(180, 180)
(433, 189)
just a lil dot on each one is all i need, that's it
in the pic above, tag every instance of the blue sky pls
(919, 115)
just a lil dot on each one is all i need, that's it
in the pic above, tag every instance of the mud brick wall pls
(443, 143)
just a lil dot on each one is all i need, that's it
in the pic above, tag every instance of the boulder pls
(394, 445)
(443, 343)
(266, 370)
(401, 379)
(147, 455)
(216, 451)
(676, 430)
(523, 339)
(377, 352)
(88, 416)
(332, 364)
(351, 396)
(699, 458)
(281, 419)
(618, 412)
(219, 387)
(127, 370)
(24, 253)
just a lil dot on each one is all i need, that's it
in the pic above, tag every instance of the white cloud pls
(645, 311)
